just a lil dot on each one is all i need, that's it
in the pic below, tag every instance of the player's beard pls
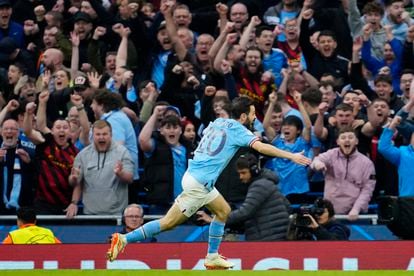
(249, 124)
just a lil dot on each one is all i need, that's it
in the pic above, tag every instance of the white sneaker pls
(217, 262)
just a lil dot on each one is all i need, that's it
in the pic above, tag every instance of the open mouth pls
(327, 50)
(8, 137)
(286, 133)
(252, 64)
(381, 94)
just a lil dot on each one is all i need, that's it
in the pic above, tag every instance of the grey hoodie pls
(102, 191)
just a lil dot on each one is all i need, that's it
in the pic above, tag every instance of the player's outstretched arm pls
(270, 150)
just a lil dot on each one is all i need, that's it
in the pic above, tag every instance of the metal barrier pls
(118, 219)
(92, 218)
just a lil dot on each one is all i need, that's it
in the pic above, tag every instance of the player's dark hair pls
(240, 105)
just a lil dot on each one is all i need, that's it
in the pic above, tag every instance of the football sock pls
(215, 235)
(148, 230)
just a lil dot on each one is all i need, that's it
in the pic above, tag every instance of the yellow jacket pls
(31, 234)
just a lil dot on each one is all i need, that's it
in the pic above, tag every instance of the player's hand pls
(300, 159)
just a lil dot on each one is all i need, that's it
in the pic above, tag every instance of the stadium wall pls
(351, 256)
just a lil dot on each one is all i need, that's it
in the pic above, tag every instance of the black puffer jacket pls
(264, 211)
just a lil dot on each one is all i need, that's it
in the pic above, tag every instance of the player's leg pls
(173, 218)
(221, 209)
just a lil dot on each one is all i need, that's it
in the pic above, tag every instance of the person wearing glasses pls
(132, 218)
(16, 170)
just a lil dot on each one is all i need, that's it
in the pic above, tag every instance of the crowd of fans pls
(103, 102)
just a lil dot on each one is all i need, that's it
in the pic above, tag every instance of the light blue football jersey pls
(221, 139)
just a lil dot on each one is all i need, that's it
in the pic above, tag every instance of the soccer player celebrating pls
(221, 139)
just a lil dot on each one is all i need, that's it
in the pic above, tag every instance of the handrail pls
(116, 218)
(373, 218)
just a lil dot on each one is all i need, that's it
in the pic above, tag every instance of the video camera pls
(315, 210)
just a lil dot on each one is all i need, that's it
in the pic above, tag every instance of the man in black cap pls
(10, 28)
(83, 27)
(81, 86)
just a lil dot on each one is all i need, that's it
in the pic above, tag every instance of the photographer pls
(318, 223)
(264, 211)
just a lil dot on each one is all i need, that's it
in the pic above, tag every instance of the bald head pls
(53, 59)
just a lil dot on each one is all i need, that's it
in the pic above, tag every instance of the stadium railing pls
(118, 219)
